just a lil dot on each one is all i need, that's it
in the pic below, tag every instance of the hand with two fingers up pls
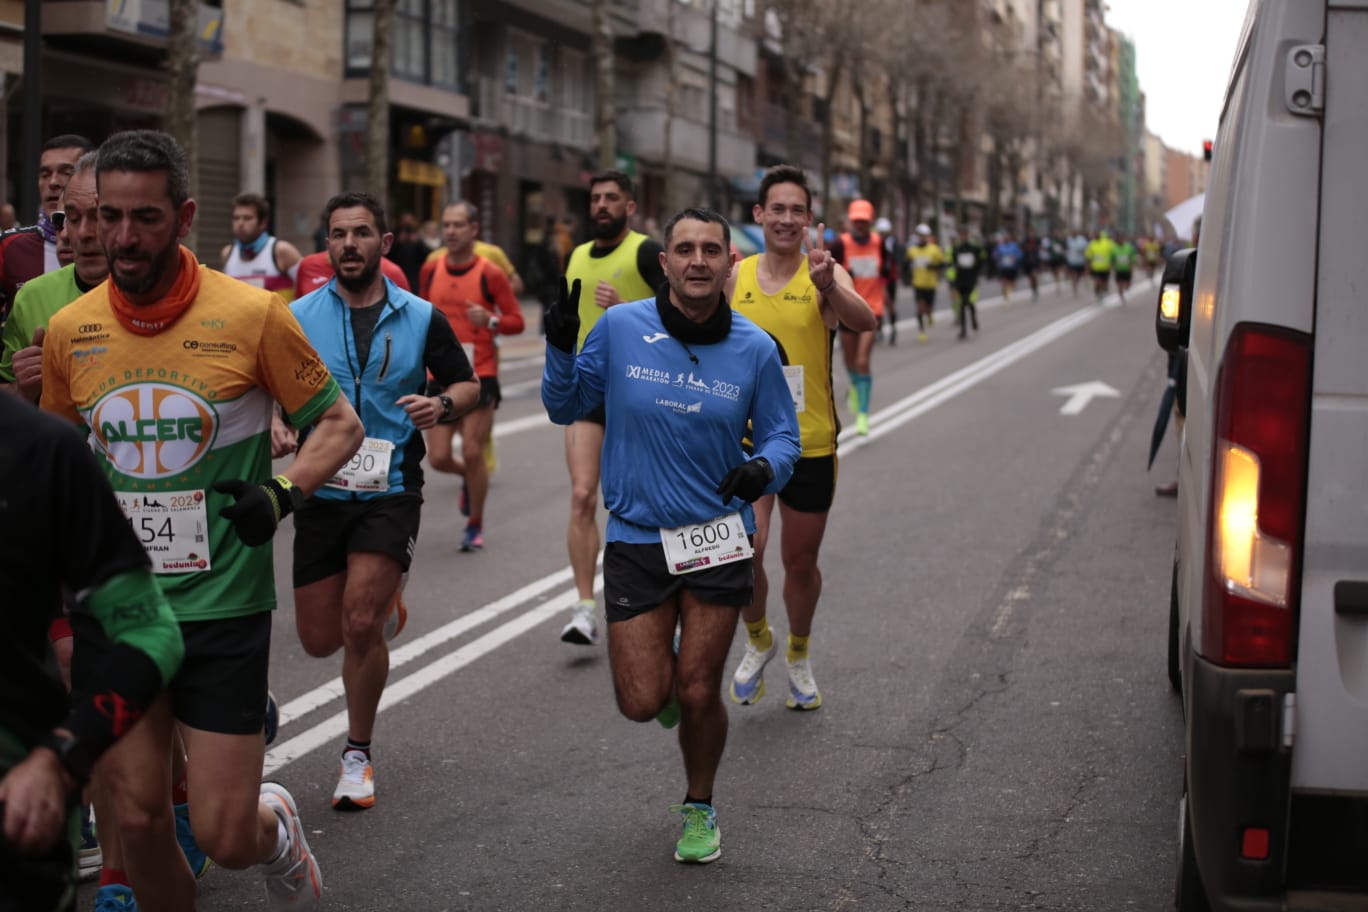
(821, 264)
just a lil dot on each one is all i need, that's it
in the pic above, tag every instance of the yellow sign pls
(427, 174)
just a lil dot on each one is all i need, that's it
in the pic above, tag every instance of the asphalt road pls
(997, 730)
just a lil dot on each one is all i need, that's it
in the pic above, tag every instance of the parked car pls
(1269, 605)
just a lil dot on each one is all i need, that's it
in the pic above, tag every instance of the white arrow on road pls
(1080, 394)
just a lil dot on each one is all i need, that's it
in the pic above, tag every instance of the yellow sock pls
(797, 648)
(760, 634)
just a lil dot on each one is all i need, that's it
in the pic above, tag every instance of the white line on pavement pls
(332, 690)
(335, 726)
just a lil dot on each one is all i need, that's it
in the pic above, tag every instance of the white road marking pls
(335, 727)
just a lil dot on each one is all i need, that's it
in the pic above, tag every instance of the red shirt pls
(454, 290)
(22, 257)
(316, 269)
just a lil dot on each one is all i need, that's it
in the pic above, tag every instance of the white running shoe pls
(803, 692)
(355, 784)
(748, 683)
(293, 881)
(583, 627)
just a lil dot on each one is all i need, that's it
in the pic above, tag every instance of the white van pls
(1269, 613)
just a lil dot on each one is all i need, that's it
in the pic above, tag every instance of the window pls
(424, 38)
(527, 67)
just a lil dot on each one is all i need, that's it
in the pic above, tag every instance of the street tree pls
(605, 84)
(377, 113)
(182, 64)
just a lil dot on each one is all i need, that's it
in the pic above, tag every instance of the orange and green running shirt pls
(793, 316)
(170, 414)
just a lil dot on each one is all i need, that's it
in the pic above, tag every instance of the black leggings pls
(968, 309)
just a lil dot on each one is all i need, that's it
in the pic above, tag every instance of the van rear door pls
(1330, 751)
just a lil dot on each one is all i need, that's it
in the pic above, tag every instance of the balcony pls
(642, 133)
(532, 119)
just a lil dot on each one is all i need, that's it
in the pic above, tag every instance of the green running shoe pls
(669, 716)
(702, 839)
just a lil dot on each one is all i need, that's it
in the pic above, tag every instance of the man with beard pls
(685, 379)
(26, 253)
(355, 537)
(173, 368)
(256, 256)
(617, 265)
(476, 297)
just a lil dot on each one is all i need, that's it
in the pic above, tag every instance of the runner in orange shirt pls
(478, 300)
(862, 255)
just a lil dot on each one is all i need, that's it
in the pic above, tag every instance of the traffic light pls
(1206, 149)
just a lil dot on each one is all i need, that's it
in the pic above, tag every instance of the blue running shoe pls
(748, 683)
(474, 538)
(199, 862)
(115, 898)
(272, 717)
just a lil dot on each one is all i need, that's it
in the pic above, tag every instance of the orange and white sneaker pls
(397, 615)
(356, 785)
(396, 618)
(293, 881)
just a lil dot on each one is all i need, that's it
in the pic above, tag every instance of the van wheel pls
(1189, 894)
(1175, 674)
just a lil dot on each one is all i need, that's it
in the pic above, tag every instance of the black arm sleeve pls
(443, 355)
(648, 263)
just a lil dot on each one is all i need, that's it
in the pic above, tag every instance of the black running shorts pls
(326, 531)
(813, 485)
(221, 684)
(1007, 275)
(1123, 275)
(636, 580)
(1101, 275)
(925, 296)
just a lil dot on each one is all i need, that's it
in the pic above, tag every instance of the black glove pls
(747, 481)
(562, 321)
(259, 507)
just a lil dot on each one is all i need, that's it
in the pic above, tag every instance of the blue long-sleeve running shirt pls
(675, 416)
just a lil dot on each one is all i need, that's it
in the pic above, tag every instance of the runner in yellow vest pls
(618, 265)
(1099, 255)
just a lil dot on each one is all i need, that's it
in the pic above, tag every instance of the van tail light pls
(1258, 494)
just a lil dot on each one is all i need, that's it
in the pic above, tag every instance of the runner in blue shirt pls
(1007, 255)
(682, 377)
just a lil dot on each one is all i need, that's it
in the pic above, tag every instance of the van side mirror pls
(1173, 318)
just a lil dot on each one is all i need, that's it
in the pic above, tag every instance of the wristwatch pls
(447, 406)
